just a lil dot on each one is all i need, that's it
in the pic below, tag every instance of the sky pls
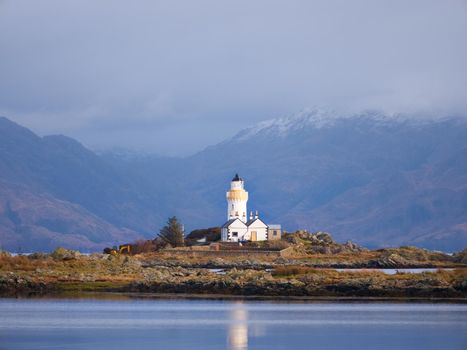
(172, 77)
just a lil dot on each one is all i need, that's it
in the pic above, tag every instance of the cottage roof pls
(252, 221)
(230, 222)
(275, 226)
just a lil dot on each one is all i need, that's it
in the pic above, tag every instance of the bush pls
(143, 246)
(212, 234)
(38, 255)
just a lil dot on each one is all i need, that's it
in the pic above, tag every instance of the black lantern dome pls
(237, 178)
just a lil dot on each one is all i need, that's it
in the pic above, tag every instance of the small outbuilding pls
(274, 232)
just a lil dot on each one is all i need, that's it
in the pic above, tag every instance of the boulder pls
(65, 254)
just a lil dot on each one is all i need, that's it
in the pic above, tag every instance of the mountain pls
(53, 191)
(371, 178)
(375, 179)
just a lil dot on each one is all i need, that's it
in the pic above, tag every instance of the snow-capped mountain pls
(317, 118)
(372, 178)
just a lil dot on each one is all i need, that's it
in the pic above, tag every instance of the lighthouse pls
(240, 227)
(237, 199)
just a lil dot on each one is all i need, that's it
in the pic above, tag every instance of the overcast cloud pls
(174, 76)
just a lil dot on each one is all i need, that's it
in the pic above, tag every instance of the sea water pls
(133, 323)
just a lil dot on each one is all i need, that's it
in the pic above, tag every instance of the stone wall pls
(250, 253)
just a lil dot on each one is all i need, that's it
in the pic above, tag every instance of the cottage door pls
(253, 236)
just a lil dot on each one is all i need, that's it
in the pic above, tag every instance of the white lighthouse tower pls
(237, 198)
(239, 227)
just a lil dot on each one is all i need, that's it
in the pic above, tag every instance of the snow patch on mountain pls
(319, 118)
(307, 118)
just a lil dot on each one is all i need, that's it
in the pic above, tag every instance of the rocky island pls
(316, 267)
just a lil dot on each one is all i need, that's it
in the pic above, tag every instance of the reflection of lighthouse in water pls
(238, 328)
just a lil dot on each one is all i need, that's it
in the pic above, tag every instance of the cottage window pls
(274, 233)
(234, 234)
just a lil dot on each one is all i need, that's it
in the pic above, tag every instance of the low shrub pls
(143, 246)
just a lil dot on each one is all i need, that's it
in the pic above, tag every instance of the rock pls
(352, 247)
(391, 261)
(461, 257)
(281, 261)
(462, 285)
(65, 254)
(131, 264)
(324, 237)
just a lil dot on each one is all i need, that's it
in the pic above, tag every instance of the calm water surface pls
(236, 325)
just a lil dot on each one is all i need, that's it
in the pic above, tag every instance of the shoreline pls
(109, 295)
(219, 288)
(69, 272)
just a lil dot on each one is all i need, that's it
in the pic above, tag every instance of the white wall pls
(236, 226)
(261, 231)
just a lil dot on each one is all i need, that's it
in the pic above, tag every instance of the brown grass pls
(23, 263)
(294, 271)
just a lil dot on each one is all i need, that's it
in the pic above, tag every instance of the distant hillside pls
(53, 191)
(370, 178)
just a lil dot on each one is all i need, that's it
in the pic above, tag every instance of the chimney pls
(256, 216)
(251, 215)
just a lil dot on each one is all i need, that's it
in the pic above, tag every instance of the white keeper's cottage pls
(240, 227)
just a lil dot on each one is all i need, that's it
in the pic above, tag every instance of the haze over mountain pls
(373, 179)
(136, 74)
